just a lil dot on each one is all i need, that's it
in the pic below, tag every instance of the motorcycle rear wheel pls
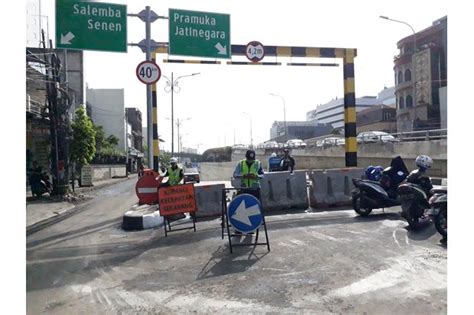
(407, 214)
(357, 208)
(441, 222)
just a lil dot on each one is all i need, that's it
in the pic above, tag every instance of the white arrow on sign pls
(243, 213)
(66, 39)
(221, 50)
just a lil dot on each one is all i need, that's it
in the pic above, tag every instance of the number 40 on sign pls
(148, 72)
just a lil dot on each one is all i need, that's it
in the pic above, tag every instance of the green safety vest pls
(244, 169)
(173, 176)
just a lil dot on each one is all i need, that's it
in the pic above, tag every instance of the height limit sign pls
(148, 72)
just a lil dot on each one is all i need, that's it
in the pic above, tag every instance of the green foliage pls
(335, 132)
(99, 137)
(101, 142)
(112, 140)
(83, 144)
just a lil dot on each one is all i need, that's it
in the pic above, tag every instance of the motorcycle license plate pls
(406, 197)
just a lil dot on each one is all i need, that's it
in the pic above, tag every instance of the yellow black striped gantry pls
(346, 54)
(156, 147)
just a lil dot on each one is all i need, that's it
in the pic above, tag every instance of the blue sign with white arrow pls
(244, 213)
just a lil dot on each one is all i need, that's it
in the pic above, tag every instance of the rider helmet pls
(173, 160)
(424, 162)
(250, 155)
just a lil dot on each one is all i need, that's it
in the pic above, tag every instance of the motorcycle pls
(370, 194)
(413, 195)
(439, 210)
(40, 184)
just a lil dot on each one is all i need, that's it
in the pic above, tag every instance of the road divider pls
(332, 187)
(141, 217)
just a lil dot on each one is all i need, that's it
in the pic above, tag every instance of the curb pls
(70, 210)
(141, 217)
(58, 216)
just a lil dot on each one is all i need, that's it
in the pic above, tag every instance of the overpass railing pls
(422, 135)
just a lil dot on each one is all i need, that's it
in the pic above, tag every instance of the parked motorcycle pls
(415, 191)
(40, 184)
(371, 194)
(439, 210)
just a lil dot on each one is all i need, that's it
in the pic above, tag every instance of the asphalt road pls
(320, 262)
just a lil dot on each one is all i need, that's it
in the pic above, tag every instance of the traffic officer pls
(287, 162)
(174, 173)
(250, 172)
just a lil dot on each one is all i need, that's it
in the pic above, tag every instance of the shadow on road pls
(223, 263)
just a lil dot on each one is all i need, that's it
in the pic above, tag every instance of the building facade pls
(134, 118)
(298, 129)
(420, 72)
(107, 109)
(332, 113)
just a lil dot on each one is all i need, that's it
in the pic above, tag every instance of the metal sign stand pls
(225, 221)
(167, 224)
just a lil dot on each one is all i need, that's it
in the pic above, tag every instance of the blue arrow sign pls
(244, 213)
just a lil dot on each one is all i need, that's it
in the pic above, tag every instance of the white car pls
(295, 143)
(375, 136)
(270, 144)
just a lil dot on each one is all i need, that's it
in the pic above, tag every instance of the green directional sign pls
(90, 25)
(202, 34)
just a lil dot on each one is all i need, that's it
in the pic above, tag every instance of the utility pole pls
(148, 46)
(58, 117)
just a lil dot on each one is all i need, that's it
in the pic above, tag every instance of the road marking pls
(394, 235)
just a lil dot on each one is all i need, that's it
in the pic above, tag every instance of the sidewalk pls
(47, 210)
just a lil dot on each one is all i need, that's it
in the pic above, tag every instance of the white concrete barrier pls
(284, 190)
(332, 187)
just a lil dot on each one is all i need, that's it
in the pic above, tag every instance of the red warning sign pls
(147, 187)
(177, 199)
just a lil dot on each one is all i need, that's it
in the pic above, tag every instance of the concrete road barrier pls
(141, 217)
(284, 190)
(208, 199)
(332, 187)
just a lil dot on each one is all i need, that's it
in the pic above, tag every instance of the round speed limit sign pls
(148, 72)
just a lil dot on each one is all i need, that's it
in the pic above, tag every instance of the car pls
(296, 143)
(375, 136)
(240, 146)
(329, 142)
(270, 144)
(341, 141)
(191, 175)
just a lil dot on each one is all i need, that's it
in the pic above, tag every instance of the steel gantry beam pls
(346, 54)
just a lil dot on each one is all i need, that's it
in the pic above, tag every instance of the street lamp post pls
(173, 86)
(284, 111)
(413, 63)
(251, 138)
(178, 124)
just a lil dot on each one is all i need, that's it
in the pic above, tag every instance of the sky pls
(227, 104)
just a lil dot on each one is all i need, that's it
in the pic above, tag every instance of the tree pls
(112, 140)
(99, 138)
(83, 138)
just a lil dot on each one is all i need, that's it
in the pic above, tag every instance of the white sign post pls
(86, 175)
(148, 72)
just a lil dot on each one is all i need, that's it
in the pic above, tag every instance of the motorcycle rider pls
(39, 182)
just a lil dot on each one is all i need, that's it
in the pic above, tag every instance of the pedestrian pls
(274, 162)
(287, 162)
(250, 172)
(174, 173)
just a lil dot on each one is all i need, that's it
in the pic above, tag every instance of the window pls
(401, 103)
(407, 75)
(409, 101)
(400, 77)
